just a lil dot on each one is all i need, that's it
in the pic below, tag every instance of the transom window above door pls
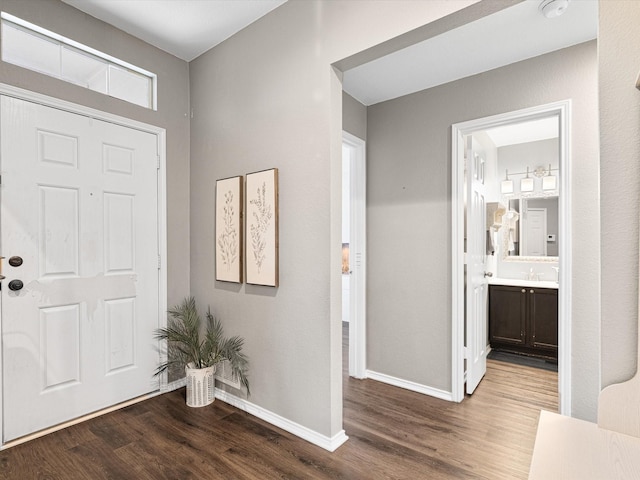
(29, 46)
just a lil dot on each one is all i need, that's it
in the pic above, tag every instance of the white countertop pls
(516, 282)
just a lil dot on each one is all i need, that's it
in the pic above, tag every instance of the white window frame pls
(86, 50)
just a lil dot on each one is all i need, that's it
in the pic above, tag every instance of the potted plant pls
(199, 354)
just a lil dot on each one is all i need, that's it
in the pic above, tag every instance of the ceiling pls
(524, 132)
(184, 28)
(511, 35)
(188, 28)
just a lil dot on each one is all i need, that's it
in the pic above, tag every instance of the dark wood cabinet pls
(524, 320)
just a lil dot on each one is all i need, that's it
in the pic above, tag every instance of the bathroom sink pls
(518, 282)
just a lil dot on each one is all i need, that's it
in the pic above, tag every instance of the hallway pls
(393, 433)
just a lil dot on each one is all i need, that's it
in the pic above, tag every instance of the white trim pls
(311, 436)
(91, 51)
(11, 91)
(39, 98)
(409, 385)
(175, 385)
(565, 263)
(358, 254)
(75, 421)
(563, 110)
(458, 374)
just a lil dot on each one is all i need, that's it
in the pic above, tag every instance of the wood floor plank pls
(393, 434)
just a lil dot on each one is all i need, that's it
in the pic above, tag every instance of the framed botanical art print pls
(261, 241)
(229, 230)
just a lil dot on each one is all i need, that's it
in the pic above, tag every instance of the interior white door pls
(534, 235)
(476, 310)
(79, 206)
(355, 148)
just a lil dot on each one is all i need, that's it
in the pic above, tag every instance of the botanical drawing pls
(262, 216)
(261, 239)
(228, 233)
(228, 239)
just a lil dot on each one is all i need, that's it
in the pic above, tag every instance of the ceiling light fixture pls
(553, 8)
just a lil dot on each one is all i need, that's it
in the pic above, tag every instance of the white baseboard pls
(311, 436)
(408, 385)
(170, 387)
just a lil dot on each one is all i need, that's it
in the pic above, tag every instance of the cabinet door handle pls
(531, 291)
(524, 290)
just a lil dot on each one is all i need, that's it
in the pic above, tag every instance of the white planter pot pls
(200, 386)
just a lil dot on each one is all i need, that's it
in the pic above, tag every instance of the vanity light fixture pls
(506, 186)
(526, 184)
(549, 182)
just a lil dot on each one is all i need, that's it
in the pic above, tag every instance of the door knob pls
(488, 274)
(15, 261)
(16, 285)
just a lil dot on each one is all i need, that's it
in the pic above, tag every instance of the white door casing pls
(562, 110)
(79, 204)
(357, 256)
(476, 341)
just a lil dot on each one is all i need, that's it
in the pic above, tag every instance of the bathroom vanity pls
(523, 317)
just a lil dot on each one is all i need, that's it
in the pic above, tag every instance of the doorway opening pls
(354, 250)
(489, 228)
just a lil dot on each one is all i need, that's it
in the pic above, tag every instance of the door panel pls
(476, 309)
(534, 237)
(79, 204)
(507, 313)
(544, 318)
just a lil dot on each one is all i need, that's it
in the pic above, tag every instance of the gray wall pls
(354, 116)
(619, 54)
(409, 214)
(258, 106)
(268, 97)
(172, 113)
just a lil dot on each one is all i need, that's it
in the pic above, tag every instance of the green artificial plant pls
(186, 348)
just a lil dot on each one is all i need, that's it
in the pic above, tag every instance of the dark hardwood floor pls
(393, 434)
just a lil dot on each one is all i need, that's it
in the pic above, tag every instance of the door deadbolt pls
(16, 285)
(15, 261)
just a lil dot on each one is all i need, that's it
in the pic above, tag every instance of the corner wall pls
(619, 54)
(409, 214)
(354, 116)
(268, 97)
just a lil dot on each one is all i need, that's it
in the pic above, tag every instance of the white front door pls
(79, 206)
(476, 311)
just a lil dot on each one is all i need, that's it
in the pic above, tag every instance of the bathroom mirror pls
(523, 160)
(530, 229)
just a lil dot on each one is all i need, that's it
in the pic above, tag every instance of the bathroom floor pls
(523, 360)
